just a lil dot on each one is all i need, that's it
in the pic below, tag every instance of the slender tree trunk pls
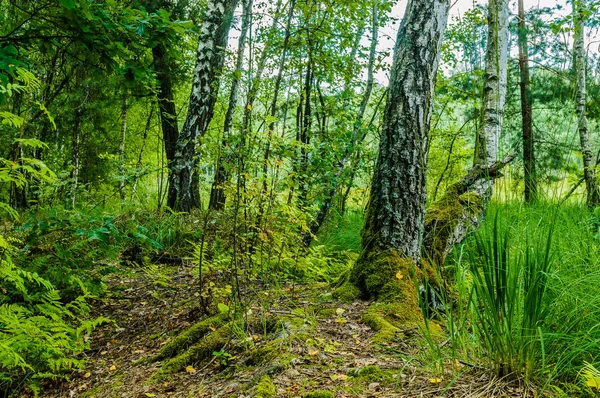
(462, 207)
(526, 111)
(76, 142)
(217, 193)
(395, 217)
(272, 120)
(580, 58)
(166, 104)
(350, 150)
(122, 146)
(184, 192)
(138, 167)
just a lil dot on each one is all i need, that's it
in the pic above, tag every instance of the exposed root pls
(199, 352)
(265, 388)
(190, 337)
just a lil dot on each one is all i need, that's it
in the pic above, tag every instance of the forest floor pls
(327, 350)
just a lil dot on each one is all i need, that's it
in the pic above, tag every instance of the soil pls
(326, 350)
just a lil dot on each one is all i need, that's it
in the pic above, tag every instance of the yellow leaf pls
(190, 369)
(149, 394)
(312, 352)
(342, 377)
(113, 367)
(339, 311)
(435, 380)
(399, 275)
(249, 107)
(87, 375)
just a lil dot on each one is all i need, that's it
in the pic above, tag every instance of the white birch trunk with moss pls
(461, 209)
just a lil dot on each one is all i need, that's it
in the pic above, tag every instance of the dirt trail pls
(321, 347)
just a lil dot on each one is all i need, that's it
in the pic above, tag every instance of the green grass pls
(527, 293)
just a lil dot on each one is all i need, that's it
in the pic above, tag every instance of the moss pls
(443, 216)
(264, 354)
(191, 336)
(385, 332)
(368, 370)
(265, 388)
(319, 394)
(347, 292)
(199, 352)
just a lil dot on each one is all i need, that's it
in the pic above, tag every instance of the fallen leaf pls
(113, 367)
(312, 352)
(435, 380)
(87, 375)
(399, 275)
(190, 369)
(149, 394)
(339, 311)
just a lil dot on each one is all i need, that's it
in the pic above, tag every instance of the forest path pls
(324, 346)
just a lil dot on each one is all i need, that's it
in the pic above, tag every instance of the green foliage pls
(510, 299)
(40, 334)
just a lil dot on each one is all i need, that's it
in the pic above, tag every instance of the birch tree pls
(184, 192)
(460, 211)
(393, 231)
(580, 59)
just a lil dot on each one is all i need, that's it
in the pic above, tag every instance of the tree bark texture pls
(530, 190)
(184, 192)
(459, 212)
(396, 210)
(580, 58)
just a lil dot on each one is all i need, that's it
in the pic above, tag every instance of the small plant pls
(222, 357)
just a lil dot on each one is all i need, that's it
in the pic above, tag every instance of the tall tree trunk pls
(272, 122)
(217, 193)
(351, 148)
(166, 104)
(122, 146)
(526, 111)
(138, 167)
(395, 218)
(580, 58)
(184, 192)
(461, 209)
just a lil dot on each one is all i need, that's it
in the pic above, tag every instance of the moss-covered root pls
(385, 332)
(265, 388)
(346, 291)
(190, 337)
(319, 394)
(199, 352)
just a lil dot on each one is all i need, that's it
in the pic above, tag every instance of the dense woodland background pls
(246, 140)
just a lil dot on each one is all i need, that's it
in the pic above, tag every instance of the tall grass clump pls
(509, 298)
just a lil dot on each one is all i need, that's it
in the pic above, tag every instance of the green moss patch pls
(319, 394)
(191, 336)
(265, 388)
(199, 352)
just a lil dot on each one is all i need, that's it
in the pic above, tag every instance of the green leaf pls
(223, 309)
(68, 4)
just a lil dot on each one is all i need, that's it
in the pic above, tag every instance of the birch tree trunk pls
(530, 190)
(393, 231)
(460, 210)
(184, 192)
(580, 59)
(217, 193)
